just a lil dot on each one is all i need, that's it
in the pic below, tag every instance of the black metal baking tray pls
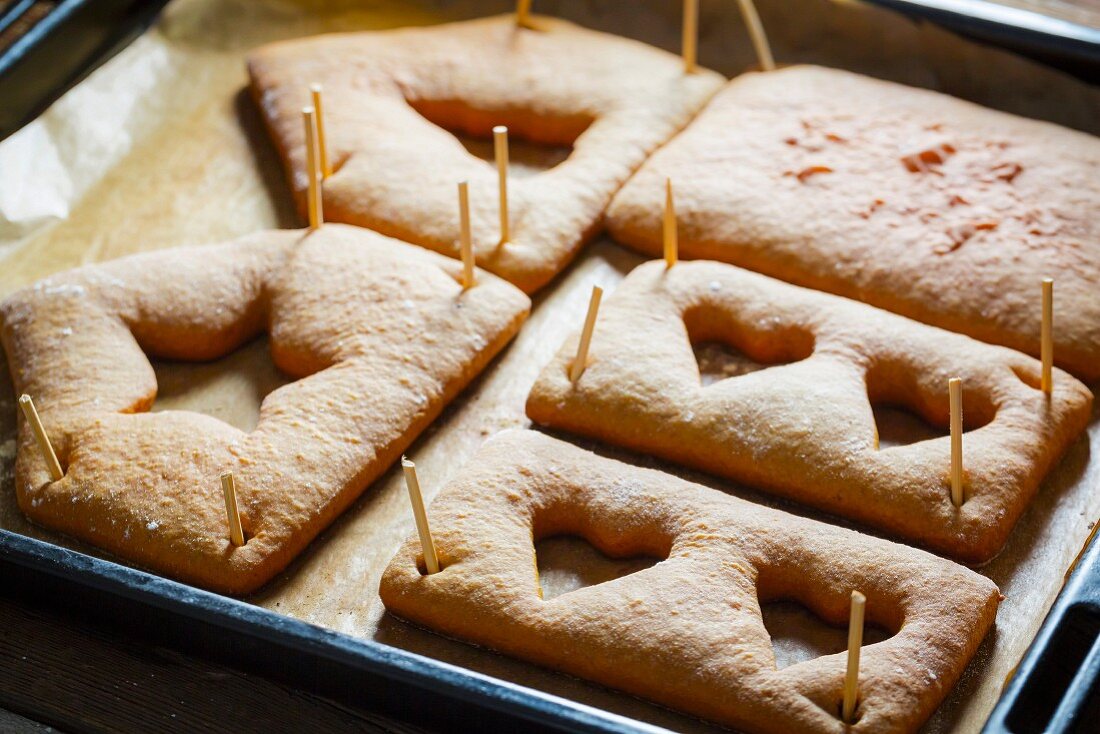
(1056, 688)
(60, 49)
(1062, 43)
(78, 35)
(357, 672)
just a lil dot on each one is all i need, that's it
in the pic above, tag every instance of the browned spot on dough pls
(874, 207)
(805, 173)
(923, 161)
(1008, 171)
(963, 232)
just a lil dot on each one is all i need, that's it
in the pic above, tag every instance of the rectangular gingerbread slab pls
(803, 426)
(163, 147)
(688, 631)
(929, 206)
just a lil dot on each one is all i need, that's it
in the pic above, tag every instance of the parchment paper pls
(161, 147)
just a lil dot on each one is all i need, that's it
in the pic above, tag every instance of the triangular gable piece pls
(804, 427)
(379, 334)
(910, 200)
(390, 98)
(687, 632)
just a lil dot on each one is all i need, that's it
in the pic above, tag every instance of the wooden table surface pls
(61, 673)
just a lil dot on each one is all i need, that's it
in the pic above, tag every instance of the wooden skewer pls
(322, 146)
(672, 245)
(316, 210)
(690, 41)
(229, 491)
(40, 436)
(855, 641)
(500, 152)
(523, 13)
(465, 246)
(756, 32)
(954, 390)
(1047, 336)
(581, 360)
(431, 560)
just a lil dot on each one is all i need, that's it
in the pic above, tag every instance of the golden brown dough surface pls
(804, 427)
(687, 632)
(379, 334)
(390, 98)
(912, 201)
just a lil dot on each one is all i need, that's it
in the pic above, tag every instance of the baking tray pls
(1067, 42)
(358, 672)
(61, 48)
(1056, 689)
(162, 146)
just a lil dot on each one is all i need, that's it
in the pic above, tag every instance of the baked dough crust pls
(804, 427)
(910, 200)
(379, 334)
(687, 632)
(390, 94)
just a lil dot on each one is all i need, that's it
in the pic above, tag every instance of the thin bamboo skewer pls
(431, 560)
(233, 515)
(1047, 336)
(581, 360)
(313, 173)
(671, 240)
(690, 40)
(322, 145)
(855, 642)
(523, 13)
(44, 445)
(465, 245)
(757, 34)
(500, 152)
(954, 389)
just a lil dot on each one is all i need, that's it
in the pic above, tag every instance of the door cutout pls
(230, 388)
(899, 426)
(568, 563)
(798, 635)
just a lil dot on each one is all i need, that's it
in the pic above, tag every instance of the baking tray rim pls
(298, 641)
(1006, 22)
(303, 641)
(1081, 590)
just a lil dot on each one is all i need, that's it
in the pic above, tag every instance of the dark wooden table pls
(59, 672)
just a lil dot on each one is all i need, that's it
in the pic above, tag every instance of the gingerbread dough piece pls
(910, 200)
(804, 428)
(687, 632)
(379, 334)
(391, 97)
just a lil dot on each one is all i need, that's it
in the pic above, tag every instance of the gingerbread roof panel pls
(688, 631)
(379, 335)
(804, 425)
(393, 98)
